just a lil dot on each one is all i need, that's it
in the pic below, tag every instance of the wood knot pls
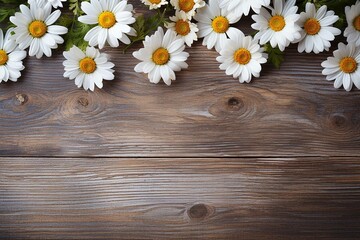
(199, 211)
(235, 103)
(21, 99)
(83, 101)
(338, 121)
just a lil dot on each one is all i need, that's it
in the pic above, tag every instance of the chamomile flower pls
(88, 68)
(112, 18)
(241, 57)
(352, 32)
(280, 27)
(214, 24)
(317, 30)
(10, 58)
(189, 7)
(161, 56)
(240, 7)
(43, 3)
(154, 4)
(344, 66)
(183, 27)
(35, 29)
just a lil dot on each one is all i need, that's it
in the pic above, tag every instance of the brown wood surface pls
(291, 111)
(173, 198)
(207, 158)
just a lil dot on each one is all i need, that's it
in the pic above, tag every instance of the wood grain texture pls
(207, 158)
(293, 111)
(173, 198)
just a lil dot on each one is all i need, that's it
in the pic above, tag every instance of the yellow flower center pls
(107, 19)
(186, 5)
(37, 29)
(87, 65)
(348, 65)
(3, 57)
(161, 56)
(242, 56)
(155, 1)
(357, 23)
(220, 24)
(277, 23)
(312, 26)
(182, 27)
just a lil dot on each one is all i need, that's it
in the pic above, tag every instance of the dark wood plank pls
(229, 198)
(288, 112)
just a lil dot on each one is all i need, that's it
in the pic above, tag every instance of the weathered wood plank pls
(247, 198)
(292, 111)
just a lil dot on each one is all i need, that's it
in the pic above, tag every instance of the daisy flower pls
(35, 29)
(317, 30)
(112, 18)
(352, 32)
(161, 56)
(241, 57)
(183, 27)
(43, 3)
(88, 68)
(240, 7)
(343, 67)
(154, 4)
(189, 7)
(214, 24)
(10, 58)
(280, 27)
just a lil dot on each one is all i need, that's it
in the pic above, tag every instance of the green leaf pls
(276, 57)
(8, 8)
(74, 6)
(146, 25)
(76, 34)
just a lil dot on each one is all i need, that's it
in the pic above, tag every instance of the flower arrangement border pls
(40, 26)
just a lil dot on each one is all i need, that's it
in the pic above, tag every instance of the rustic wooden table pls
(205, 158)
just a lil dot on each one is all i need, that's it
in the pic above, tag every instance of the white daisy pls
(43, 3)
(183, 27)
(35, 29)
(240, 7)
(214, 24)
(154, 4)
(344, 66)
(279, 27)
(161, 56)
(352, 32)
(89, 68)
(112, 18)
(317, 30)
(241, 57)
(189, 7)
(10, 58)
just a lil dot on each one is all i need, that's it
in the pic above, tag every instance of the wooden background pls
(205, 158)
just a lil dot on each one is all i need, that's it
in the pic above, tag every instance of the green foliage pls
(144, 26)
(76, 33)
(74, 6)
(77, 30)
(8, 8)
(5, 14)
(276, 57)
